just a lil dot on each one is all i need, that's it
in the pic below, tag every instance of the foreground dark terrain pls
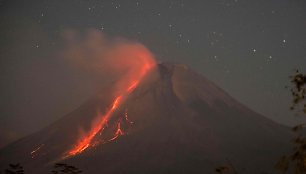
(178, 122)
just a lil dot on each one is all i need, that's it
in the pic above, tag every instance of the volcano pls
(174, 121)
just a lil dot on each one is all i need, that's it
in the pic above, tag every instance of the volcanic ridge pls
(173, 120)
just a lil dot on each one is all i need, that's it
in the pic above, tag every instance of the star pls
(254, 50)
(216, 58)
(269, 59)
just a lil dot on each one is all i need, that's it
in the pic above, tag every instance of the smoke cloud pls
(107, 58)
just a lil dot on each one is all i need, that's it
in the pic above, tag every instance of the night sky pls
(248, 48)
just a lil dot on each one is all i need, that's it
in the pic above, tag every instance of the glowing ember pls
(34, 152)
(126, 117)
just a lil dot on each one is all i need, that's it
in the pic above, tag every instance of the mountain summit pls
(174, 121)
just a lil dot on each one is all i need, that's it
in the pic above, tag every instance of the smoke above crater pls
(107, 58)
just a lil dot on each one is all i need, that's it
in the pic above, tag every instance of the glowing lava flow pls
(87, 140)
(118, 133)
(133, 86)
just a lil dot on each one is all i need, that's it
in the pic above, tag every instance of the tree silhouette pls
(229, 168)
(64, 168)
(59, 168)
(297, 158)
(14, 169)
(298, 91)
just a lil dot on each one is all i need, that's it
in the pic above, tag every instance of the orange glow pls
(118, 133)
(116, 102)
(129, 61)
(133, 86)
(85, 142)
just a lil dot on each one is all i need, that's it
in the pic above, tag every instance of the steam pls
(108, 57)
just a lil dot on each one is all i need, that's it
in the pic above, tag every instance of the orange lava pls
(118, 133)
(85, 142)
(132, 86)
(129, 85)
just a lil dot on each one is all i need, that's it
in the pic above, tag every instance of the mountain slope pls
(175, 121)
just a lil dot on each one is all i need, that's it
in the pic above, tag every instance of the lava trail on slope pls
(86, 141)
